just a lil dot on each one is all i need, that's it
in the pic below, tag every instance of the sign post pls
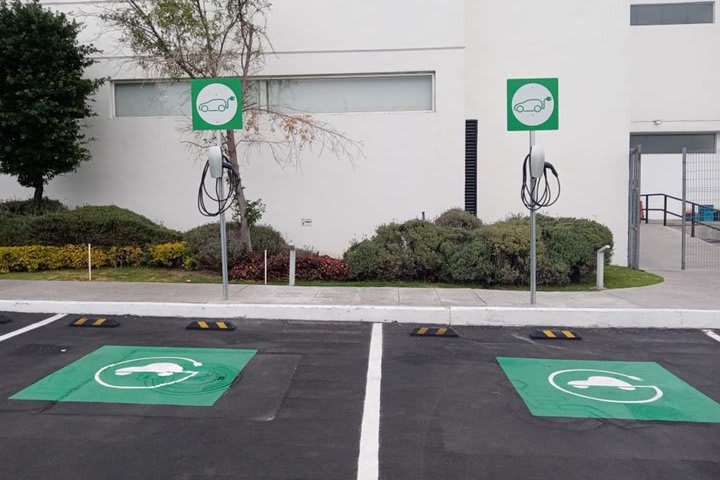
(217, 105)
(532, 104)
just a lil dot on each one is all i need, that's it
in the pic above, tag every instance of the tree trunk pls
(39, 186)
(245, 239)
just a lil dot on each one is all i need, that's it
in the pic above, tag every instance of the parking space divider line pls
(368, 458)
(712, 335)
(32, 326)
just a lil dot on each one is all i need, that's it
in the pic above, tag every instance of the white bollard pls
(265, 267)
(292, 265)
(89, 263)
(601, 267)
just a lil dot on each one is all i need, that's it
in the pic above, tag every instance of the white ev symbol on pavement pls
(145, 365)
(604, 381)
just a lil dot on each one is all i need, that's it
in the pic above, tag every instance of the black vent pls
(471, 132)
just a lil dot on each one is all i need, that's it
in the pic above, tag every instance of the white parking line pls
(32, 326)
(368, 460)
(712, 335)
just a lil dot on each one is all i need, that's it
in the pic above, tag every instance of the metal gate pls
(634, 208)
(701, 215)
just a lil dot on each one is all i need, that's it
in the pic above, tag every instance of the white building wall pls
(584, 44)
(413, 161)
(674, 73)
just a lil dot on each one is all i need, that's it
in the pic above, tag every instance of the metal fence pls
(701, 223)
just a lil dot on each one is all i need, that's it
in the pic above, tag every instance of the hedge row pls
(40, 257)
(101, 226)
(496, 254)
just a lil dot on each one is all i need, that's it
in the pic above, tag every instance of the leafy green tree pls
(43, 94)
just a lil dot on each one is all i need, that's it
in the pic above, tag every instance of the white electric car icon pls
(163, 369)
(602, 381)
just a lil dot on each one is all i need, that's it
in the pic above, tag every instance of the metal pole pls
(89, 263)
(665, 211)
(266, 267)
(533, 251)
(292, 265)
(223, 230)
(683, 247)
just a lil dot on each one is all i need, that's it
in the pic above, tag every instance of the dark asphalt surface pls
(448, 410)
(293, 413)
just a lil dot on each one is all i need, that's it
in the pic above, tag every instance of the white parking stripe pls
(712, 335)
(32, 326)
(368, 460)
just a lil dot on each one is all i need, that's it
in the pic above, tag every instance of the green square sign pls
(147, 375)
(533, 104)
(216, 103)
(596, 389)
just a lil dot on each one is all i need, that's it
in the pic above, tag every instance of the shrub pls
(458, 218)
(496, 254)
(168, 255)
(414, 250)
(265, 237)
(40, 257)
(15, 230)
(307, 267)
(101, 226)
(203, 245)
(28, 207)
(572, 243)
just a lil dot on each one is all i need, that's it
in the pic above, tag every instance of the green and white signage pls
(596, 389)
(532, 104)
(216, 104)
(146, 375)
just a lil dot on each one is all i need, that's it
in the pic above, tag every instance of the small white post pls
(89, 263)
(292, 265)
(601, 267)
(265, 267)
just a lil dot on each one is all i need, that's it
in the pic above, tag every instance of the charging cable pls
(224, 203)
(536, 191)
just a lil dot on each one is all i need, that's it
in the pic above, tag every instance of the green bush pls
(28, 207)
(101, 226)
(264, 237)
(414, 250)
(495, 254)
(203, 244)
(458, 218)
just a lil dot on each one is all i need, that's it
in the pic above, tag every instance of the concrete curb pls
(450, 315)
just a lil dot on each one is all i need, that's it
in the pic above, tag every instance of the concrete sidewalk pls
(685, 300)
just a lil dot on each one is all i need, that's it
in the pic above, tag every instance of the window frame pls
(667, 134)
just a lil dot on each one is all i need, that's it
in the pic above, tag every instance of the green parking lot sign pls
(216, 103)
(146, 375)
(533, 104)
(598, 389)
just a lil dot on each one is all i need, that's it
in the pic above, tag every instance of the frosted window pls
(672, 13)
(388, 93)
(152, 99)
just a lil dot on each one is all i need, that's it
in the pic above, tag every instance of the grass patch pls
(615, 277)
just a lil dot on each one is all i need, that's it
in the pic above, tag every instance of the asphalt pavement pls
(289, 400)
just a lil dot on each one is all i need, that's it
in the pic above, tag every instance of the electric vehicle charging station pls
(217, 105)
(533, 105)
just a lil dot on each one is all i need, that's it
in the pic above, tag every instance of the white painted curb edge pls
(471, 316)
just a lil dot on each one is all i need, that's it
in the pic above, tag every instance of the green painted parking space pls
(600, 389)
(144, 375)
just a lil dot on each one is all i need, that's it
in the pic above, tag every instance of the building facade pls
(402, 78)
